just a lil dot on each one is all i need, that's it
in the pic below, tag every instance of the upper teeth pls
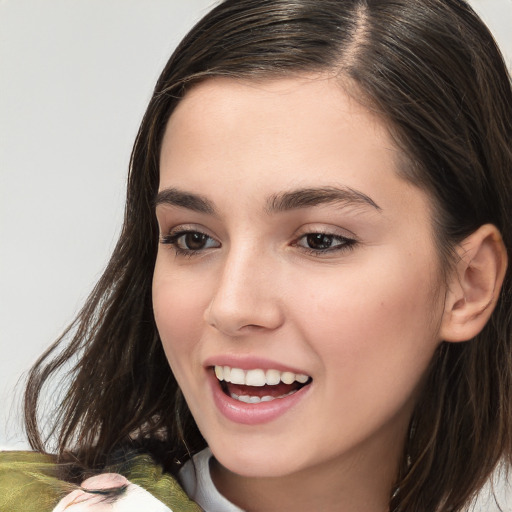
(258, 377)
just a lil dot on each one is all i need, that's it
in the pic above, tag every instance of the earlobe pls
(474, 285)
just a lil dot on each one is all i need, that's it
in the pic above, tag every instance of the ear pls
(474, 285)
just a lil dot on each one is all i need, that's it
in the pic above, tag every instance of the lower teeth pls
(256, 399)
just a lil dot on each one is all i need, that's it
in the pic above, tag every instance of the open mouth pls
(258, 385)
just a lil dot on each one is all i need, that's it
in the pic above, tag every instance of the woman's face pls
(295, 262)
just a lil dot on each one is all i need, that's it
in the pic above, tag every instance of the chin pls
(255, 461)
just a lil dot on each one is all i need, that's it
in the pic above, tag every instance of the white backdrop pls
(75, 77)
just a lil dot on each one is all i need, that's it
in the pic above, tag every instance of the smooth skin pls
(242, 273)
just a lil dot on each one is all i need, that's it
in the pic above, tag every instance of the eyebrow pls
(307, 197)
(176, 197)
(285, 201)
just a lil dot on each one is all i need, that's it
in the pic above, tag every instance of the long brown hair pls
(433, 72)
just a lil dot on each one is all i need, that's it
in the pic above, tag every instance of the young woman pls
(309, 306)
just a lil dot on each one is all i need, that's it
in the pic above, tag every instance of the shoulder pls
(29, 482)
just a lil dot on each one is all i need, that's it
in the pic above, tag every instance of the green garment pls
(29, 483)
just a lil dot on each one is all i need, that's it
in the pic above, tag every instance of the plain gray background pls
(75, 77)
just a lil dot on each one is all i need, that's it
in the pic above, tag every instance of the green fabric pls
(148, 475)
(29, 483)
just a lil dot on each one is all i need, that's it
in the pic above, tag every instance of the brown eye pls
(323, 243)
(190, 242)
(319, 241)
(193, 241)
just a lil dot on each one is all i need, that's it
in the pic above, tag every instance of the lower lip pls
(253, 414)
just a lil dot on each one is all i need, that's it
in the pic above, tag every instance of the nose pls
(246, 296)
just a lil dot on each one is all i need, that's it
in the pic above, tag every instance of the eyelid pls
(187, 228)
(325, 229)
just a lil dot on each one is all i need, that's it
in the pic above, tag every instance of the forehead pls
(301, 98)
(271, 117)
(271, 136)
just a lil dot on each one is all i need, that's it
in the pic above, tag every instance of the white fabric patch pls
(134, 499)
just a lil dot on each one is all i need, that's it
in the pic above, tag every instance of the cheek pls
(381, 319)
(178, 308)
(374, 344)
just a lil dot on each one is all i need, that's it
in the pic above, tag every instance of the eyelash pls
(345, 243)
(173, 240)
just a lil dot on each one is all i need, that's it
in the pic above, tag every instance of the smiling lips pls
(258, 385)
